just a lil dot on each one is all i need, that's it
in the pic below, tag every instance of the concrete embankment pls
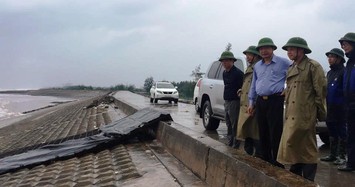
(214, 162)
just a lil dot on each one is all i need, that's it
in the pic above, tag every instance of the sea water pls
(13, 105)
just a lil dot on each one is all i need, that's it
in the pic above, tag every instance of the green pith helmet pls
(266, 42)
(338, 52)
(350, 37)
(227, 55)
(252, 49)
(297, 42)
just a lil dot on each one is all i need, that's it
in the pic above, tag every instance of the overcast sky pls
(47, 43)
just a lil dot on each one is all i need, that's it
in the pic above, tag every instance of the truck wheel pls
(209, 122)
(197, 108)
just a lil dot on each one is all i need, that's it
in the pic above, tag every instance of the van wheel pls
(151, 100)
(209, 122)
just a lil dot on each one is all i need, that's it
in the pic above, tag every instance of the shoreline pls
(27, 114)
(55, 103)
(71, 95)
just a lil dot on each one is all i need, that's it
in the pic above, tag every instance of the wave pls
(13, 105)
(5, 113)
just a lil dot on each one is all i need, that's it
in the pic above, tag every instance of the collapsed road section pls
(139, 124)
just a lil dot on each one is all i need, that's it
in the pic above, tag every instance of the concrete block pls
(125, 107)
(220, 165)
(185, 148)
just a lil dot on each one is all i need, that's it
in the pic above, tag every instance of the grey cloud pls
(103, 43)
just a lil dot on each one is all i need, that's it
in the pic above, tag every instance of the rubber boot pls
(341, 160)
(248, 146)
(333, 150)
(230, 140)
(236, 143)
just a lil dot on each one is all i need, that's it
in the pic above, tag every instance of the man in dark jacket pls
(233, 80)
(335, 108)
(348, 45)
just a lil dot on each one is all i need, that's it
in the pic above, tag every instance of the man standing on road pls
(265, 96)
(305, 103)
(348, 45)
(233, 80)
(335, 108)
(247, 125)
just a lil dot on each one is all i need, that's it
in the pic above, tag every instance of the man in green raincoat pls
(305, 104)
(247, 124)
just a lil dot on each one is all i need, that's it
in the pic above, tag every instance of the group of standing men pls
(289, 137)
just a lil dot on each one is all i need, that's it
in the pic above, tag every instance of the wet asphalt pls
(185, 114)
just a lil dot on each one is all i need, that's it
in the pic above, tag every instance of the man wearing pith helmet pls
(266, 98)
(233, 80)
(247, 125)
(305, 103)
(348, 45)
(335, 109)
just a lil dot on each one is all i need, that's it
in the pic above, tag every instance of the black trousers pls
(269, 114)
(231, 108)
(252, 147)
(336, 121)
(307, 171)
(350, 119)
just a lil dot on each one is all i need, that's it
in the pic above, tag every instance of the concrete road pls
(184, 114)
